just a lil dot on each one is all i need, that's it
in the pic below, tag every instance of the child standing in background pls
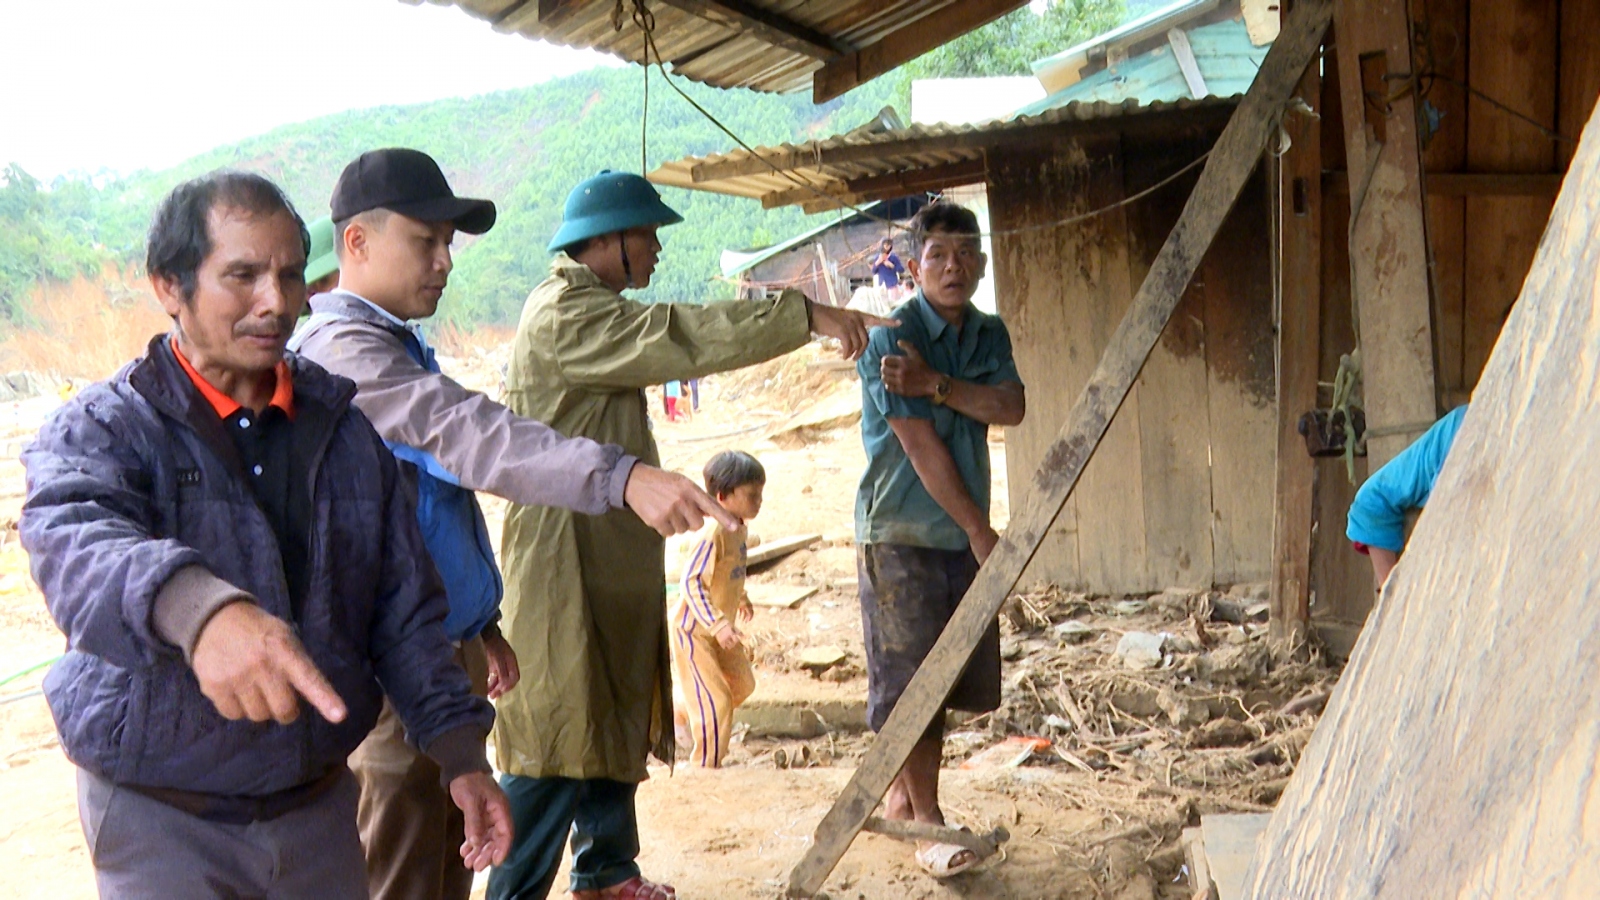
(708, 651)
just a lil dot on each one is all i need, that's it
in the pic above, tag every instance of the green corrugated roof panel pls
(1228, 62)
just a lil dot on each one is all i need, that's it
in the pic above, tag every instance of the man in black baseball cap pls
(410, 183)
(395, 220)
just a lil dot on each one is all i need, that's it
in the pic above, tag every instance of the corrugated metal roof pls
(1226, 59)
(766, 45)
(839, 166)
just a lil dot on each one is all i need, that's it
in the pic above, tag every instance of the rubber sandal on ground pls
(635, 888)
(938, 860)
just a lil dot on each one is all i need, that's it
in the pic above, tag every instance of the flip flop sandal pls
(635, 888)
(936, 859)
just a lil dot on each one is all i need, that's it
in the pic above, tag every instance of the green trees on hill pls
(524, 149)
(43, 234)
(1008, 45)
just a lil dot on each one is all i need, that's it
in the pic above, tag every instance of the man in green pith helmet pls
(322, 263)
(585, 601)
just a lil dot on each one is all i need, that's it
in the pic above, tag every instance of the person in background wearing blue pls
(1377, 519)
(888, 268)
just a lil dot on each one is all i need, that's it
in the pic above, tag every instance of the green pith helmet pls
(321, 260)
(608, 202)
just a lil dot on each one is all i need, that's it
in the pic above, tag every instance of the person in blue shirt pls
(887, 268)
(1376, 523)
(931, 388)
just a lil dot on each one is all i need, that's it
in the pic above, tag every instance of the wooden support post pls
(827, 275)
(1299, 337)
(1234, 157)
(1388, 232)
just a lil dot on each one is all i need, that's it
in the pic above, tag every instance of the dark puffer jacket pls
(136, 479)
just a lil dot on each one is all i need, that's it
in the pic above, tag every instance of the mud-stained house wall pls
(1180, 492)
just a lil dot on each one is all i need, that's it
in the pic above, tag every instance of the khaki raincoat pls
(585, 603)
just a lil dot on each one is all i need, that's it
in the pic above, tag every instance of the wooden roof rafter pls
(778, 46)
(906, 43)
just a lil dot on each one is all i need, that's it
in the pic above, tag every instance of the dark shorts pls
(908, 594)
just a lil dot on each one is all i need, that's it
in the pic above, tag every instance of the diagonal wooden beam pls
(763, 25)
(1234, 157)
(905, 44)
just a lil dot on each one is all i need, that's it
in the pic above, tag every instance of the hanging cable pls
(646, 22)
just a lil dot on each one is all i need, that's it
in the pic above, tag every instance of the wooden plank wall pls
(1341, 579)
(1539, 57)
(1180, 491)
(1458, 754)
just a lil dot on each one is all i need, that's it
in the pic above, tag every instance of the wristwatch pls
(941, 390)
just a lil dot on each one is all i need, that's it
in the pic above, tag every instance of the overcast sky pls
(129, 84)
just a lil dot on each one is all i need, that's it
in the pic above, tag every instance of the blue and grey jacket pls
(457, 441)
(139, 523)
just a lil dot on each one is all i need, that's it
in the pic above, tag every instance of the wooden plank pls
(1467, 184)
(1580, 70)
(1388, 229)
(1174, 427)
(1447, 239)
(1261, 18)
(1194, 853)
(1444, 160)
(905, 44)
(1041, 302)
(1235, 156)
(767, 551)
(1299, 329)
(1443, 30)
(779, 596)
(1458, 754)
(1513, 59)
(1341, 579)
(1184, 54)
(1230, 842)
(763, 25)
(1112, 554)
(1241, 388)
(1493, 184)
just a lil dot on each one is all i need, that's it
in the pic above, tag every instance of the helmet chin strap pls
(622, 244)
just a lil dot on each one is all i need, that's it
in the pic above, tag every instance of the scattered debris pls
(1008, 754)
(1141, 649)
(1073, 631)
(817, 660)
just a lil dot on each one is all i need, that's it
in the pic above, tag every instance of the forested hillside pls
(525, 149)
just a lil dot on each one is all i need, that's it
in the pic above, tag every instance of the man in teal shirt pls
(931, 387)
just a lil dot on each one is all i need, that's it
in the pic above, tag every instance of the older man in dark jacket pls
(218, 531)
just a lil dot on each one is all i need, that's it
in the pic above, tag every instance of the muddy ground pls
(1128, 757)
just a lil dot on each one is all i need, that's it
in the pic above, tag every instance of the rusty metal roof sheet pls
(860, 165)
(765, 45)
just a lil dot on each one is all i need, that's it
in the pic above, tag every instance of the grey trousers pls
(144, 849)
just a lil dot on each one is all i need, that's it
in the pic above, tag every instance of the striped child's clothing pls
(714, 681)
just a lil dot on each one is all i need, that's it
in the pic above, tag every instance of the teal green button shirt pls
(892, 506)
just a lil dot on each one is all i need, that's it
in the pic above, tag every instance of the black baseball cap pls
(407, 182)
